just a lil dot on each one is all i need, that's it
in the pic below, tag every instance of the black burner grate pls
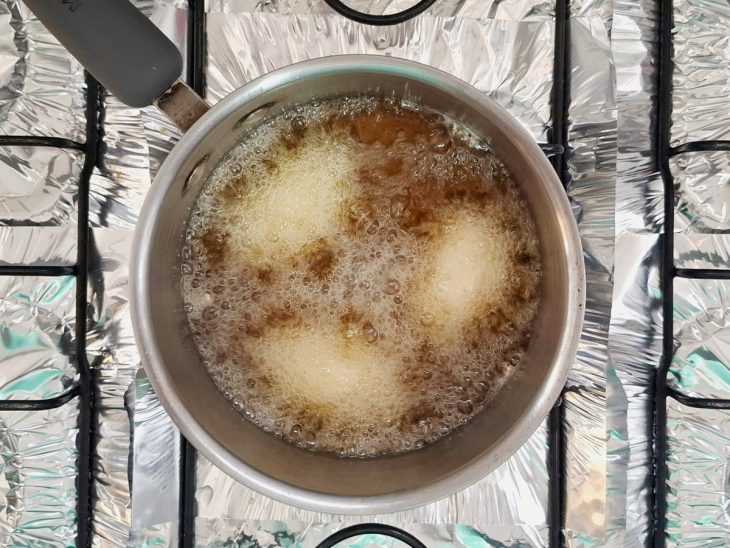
(85, 387)
(668, 271)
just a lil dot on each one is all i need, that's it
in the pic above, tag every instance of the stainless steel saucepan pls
(136, 62)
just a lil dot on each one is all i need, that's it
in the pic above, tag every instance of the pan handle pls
(116, 43)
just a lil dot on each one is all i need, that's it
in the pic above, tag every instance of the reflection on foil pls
(41, 84)
(697, 500)
(156, 469)
(701, 364)
(135, 141)
(639, 190)
(37, 477)
(592, 136)
(38, 185)
(109, 337)
(696, 250)
(38, 245)
(112, 497)
(701, 71)
(36, 326)
(242, 46)
(703, 191)
(635, 347)
(111, 349)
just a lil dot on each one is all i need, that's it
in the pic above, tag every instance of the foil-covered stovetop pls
(506, 49)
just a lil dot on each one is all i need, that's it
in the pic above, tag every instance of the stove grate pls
(662, 390)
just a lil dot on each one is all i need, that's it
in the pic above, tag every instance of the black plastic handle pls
(116, 43)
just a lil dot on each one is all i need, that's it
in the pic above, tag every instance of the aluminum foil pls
(108, 350)
(697, 250)
(513, 495)
(702, 180)
(38, 245)
(635, 331)
(37, 477)
(592, 137)
(136, 141)
(639, 191)
(697, 484)
(466, 9)
(38, 185)
(41, 93)
(701, 71)
(242, 46)
(701, 364)
(36, 327)
(270, 533)
(635, 348)
(41, 84)
(156, 450)
(698, 441)
(609, 473)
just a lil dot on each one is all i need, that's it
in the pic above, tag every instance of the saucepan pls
(137, 63)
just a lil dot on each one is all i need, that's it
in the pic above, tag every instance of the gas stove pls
(628, 100)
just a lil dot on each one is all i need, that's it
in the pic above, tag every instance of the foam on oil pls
(360, 276)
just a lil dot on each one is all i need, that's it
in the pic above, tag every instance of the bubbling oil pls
(360, 276)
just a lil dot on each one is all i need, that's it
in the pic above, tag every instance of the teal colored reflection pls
(48, 293)
(42, 384)
(701, 363)
(14, 342)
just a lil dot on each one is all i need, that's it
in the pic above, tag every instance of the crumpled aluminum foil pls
(703, 184)
(592, 136)
(697, 250)
(271, 533)
(42, 94)
(607, 415)
(37, 316)
(38, 185)
(136, 141)
(513, 495)
(697, 492)
(701, 365)
(41, 84)
(37, 477)
(242, 46)
(635, 348)
(38, 245)
(698, 460)
(635, 333)
(701, 71)
(466, 9)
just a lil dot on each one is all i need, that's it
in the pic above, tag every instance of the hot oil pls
(361, 276)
